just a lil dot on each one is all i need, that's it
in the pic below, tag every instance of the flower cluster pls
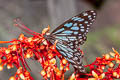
(106, 67)
(37, 48)
(33, 47)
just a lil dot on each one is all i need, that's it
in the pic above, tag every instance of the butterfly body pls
(70, 35)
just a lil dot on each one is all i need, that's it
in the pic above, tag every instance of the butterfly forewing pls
(75, 29)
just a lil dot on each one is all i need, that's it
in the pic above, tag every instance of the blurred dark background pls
(37, 14)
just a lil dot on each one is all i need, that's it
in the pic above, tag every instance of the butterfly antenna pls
(19, 24)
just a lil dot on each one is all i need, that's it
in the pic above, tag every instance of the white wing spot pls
(85, 14)
(80, 40)
(76, 42)
(71, 46)
(80, 24)
(82, 30)
(80, 37)
(88, 25)
(86, 22)
(86, 30)
(89, 16)
(92, 11)
(94, 16)
(82, 27)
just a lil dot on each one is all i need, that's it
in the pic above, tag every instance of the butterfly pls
(70, 35)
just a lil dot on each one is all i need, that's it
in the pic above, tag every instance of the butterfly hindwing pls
(73, 56)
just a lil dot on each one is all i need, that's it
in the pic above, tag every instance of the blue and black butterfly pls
(70, 35)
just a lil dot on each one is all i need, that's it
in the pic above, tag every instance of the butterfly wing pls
(74, 57)
(74, 30)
